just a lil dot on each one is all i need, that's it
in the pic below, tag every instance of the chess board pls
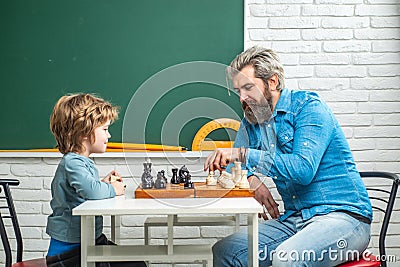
(200, 190)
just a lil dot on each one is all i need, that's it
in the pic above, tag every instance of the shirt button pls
(254, 168)
(286, 138)
(275, 177)
(305, 143)
(269, 125)
(272, 145)
(293, 197)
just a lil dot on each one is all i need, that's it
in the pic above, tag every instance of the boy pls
(80, 125)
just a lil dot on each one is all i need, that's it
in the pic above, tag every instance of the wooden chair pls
(11, 214)
(382, 201)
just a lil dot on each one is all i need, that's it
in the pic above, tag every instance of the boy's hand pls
(112, 177)
(119, 187)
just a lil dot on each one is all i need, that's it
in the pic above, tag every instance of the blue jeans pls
(324, 240)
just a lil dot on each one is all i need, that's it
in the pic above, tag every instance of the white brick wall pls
(346, 50)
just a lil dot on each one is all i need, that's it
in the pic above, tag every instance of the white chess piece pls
(210, 180)
(225, 180)
(237, 173)
(244, 183)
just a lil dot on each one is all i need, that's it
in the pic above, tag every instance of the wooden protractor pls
(199, 142)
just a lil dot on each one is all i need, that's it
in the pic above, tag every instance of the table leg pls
(87, 239)
(253, 239)
(170, 225)
(115, 228)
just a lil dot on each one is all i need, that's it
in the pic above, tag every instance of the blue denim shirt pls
(303, 149)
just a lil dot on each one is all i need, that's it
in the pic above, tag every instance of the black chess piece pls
(147, 179)
(163, 176)
(188, 183)
(183, 173)
(160, 181)
(174, 179)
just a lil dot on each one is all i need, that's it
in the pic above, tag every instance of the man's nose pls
(243, 97)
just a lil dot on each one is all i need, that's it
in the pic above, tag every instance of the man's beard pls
(258, 113)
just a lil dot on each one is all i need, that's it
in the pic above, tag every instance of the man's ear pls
(273, 82)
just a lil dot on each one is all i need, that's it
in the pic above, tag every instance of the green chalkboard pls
(50, 48)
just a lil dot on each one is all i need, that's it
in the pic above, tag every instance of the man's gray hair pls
(265, 62)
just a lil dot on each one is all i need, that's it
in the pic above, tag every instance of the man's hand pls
(264, 197)
(220, 158)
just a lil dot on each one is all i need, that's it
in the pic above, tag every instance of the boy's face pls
(101, 136)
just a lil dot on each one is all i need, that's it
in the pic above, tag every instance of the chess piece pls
(244, 183)
(174, 179)
(147, 179)
(114, 178)
(226, 180)
(183, 173)
(188, 182)
(237, 173)
(163, 176)
(210, 180)
(160, 181)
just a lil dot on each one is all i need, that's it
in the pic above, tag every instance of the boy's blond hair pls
(76, 116)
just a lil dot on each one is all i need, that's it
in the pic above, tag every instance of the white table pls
(121, 205)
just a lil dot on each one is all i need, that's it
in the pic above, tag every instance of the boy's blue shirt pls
(75, 181)
(303, 149)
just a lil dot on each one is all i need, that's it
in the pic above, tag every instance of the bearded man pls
(293, 138)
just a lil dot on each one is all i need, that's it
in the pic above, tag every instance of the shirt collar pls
(284, 101)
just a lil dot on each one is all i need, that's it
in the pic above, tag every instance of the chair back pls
(382, 200)
(7, 211)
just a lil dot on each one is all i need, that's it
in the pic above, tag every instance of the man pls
(294, 138)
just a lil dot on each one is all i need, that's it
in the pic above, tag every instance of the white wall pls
(348, 52)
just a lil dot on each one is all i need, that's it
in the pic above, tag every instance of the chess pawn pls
(188, 182)
(163, 176)
(174, 179)
(244, 183)
(210, 180)
(160, 182)
(237, 176)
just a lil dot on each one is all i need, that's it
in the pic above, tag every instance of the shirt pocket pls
(285, 139)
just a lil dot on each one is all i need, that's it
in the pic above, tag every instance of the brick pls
(35, 245)
(31, 232)
(274, 10)
(345, 95)
(29, 220)
(385, 22)
(379, 107)
(257, 22)
(348, 132)
(21, 160)
(342, 108)
(340, 71)
(350, 46)
(327, 10)
(294, 22)
(33, 170)
(179, 232)
(267, 35)
(289, 59)
(376, 58)
(377, 132)
(344, 22)
(318, 84)
(299, 71)
(385, 95)
(354, 119)
(25, 207)
(296, 47)
(324, 58)
(4, 169)
(361, 144)
(32, 195)
(382, 1)
(376, 10)
(383, 70)
(30, 183)
(375, 83)
(388, 143)
(388, 167)
(377, 34)
(217, 231)
(386, 46)
(327, 34)
(387, 119)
